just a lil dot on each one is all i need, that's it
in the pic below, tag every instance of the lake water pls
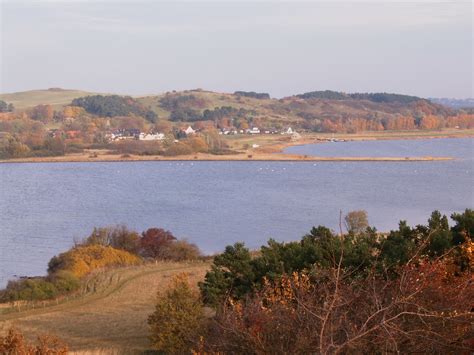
(213, 204)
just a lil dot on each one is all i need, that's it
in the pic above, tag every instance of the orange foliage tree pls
(14, 343)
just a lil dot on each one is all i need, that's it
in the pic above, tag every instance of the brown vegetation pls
(14, 343)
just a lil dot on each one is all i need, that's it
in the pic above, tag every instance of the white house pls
(254, 130)
(288, 131)
(189, 131)
(151, 136)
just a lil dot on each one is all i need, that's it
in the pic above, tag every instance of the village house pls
(151, 136)
(254, 130)
(288, 131)
(123, 134)
(189, 131)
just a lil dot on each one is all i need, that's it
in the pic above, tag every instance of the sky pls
(147, 47)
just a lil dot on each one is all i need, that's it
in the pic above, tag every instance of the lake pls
(44, 206)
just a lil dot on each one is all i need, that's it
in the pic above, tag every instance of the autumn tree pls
(73, 111)
(118, 237)
(177, 321)
(43, 113)
(154, 242)
(12, 147)
(356, 221)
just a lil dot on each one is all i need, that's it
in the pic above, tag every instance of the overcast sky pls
(282, 48)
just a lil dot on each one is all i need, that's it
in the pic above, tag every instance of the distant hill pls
(454, 103)
(325, 111)
(54, 96)
(307, 110)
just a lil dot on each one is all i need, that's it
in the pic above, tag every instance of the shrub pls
(181, 250)
(197, 144)
(178, 318)
(14, 343)
(178, 149)
(424, 310)
(64, 281)
(118, 237)
(84, 259)
(31, 289)
(154, 242)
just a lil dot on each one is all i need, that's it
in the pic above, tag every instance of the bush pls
(197, 144)
(181, 250)
(14, 343)
(82, 260)
(31, 289)
(421, 311)
(138, 147)
(178, 149)
(40, 288)
(64, 281)
(154, 242)
(118, 237)
(178, 318)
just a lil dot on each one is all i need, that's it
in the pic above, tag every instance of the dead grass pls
(112, 321)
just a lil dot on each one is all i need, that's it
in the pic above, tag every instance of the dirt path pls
(111, 321)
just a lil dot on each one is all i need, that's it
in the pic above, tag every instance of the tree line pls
(114, 105)
(380, 97)
(253, 94)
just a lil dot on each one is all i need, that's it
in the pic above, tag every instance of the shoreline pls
(270, 152)
(224, 158)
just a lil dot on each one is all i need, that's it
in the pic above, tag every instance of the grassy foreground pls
(112, 317)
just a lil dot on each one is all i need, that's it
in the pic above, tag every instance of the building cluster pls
(256, 130)
(136, 134)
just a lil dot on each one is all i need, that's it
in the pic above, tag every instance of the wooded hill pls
(318, 111)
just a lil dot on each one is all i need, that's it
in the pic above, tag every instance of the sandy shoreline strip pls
(232, 158)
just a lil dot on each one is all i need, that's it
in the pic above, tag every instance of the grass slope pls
(108, 319)
(55, 97)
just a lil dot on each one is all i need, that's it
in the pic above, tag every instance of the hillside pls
(55, 97)
(300, 109)
(306, 111)
(113, 317)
